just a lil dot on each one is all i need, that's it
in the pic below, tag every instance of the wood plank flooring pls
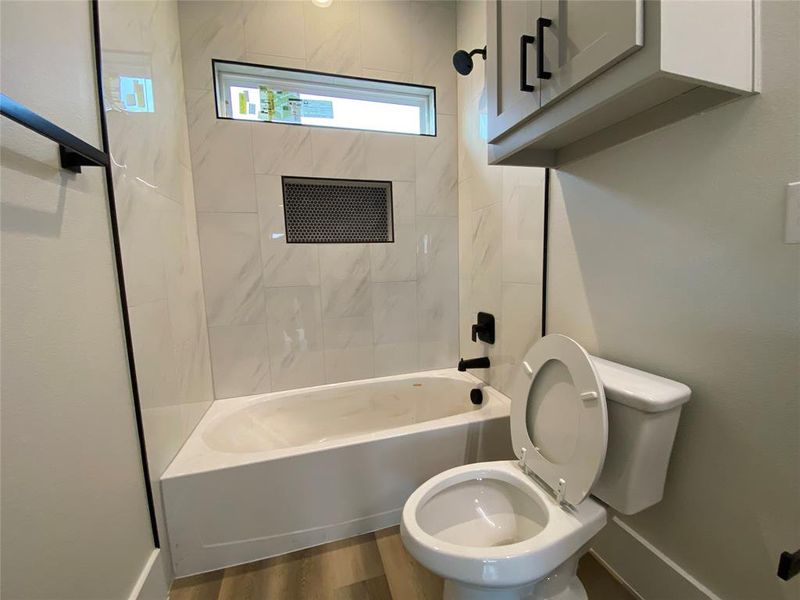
(374, 566)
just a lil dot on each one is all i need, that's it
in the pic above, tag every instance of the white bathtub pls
(269, 474)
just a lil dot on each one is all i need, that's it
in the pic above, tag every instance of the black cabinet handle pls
(524, 86)
(541, 23)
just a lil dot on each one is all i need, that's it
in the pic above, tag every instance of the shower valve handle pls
(483, 330)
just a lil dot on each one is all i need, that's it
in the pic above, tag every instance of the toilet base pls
(561, 584)
(454, 590)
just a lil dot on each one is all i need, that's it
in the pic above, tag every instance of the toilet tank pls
(643, 413)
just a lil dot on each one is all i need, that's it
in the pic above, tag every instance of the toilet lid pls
(558, 414)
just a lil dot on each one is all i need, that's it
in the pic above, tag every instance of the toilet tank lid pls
(638, 389)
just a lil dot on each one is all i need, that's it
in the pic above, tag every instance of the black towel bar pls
(73, 151)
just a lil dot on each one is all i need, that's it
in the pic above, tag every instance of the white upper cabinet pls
(515, 93)
(580, 39)
(566, 78)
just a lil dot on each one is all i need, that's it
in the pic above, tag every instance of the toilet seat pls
(559, 422)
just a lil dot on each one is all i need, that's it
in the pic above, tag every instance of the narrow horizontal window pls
(271, 94)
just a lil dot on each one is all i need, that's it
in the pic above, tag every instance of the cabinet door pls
(507, 22)
(584, 38)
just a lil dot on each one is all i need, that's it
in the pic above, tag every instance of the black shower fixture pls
(462, 60)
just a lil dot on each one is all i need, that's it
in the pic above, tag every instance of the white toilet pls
(516, 529)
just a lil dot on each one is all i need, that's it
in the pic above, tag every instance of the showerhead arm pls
(462, 60)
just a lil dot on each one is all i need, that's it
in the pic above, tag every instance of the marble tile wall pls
(158, 227)
(500, 226)
(286, 316)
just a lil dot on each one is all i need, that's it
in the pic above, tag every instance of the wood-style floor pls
(374, 566)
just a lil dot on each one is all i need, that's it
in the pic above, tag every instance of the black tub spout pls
(473, 363)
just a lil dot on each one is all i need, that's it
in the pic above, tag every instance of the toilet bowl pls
(516, 529)
(489, 526)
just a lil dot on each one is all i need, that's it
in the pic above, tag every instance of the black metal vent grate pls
(337, 211)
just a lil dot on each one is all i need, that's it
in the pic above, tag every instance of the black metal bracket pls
(789, 565)
(72, 161)
(73, 151)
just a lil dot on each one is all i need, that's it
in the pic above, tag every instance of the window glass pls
(270, 94)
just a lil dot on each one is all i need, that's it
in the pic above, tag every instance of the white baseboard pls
(153, 582)
(643, 568)
(615, 575)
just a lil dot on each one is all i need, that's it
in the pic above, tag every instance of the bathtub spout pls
(473, 363)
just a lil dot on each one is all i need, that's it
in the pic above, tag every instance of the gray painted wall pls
(667, 255)
(74, 511)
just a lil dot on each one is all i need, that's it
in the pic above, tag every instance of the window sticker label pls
(319, 109)
(136, 94)
(278, 105)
